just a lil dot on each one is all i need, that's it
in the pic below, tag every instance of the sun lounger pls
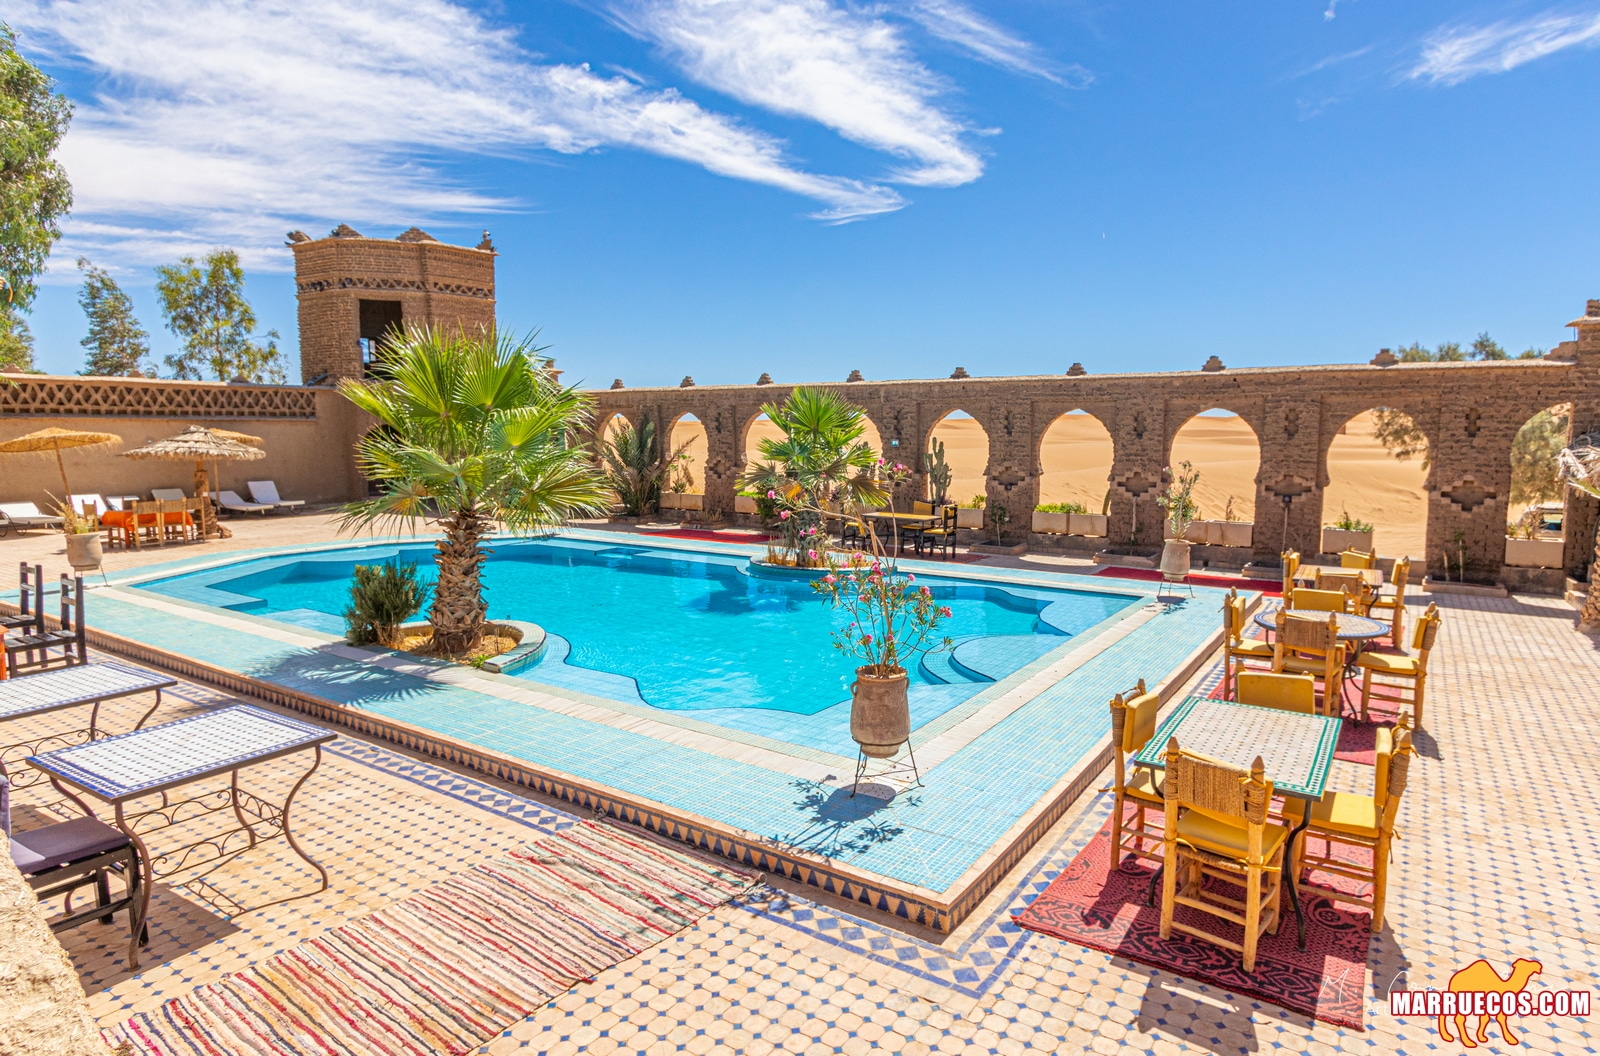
(23, 516)
(267, 491)
(230, 501)
(80, 502)
(168, 494)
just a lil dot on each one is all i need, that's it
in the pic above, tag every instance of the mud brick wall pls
(1470, 412)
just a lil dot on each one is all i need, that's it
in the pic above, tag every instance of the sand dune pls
(1076, 461)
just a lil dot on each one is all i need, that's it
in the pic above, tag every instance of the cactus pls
(939, 472)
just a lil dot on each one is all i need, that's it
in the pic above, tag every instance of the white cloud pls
(847, 69)
(953, 21)
(1454, 53)
(220, 123)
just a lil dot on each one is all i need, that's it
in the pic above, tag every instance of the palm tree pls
(473, 432)
(634, 467)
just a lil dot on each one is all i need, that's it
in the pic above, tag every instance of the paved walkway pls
(1498, 859)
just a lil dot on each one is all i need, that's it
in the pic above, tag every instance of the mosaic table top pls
(1350, 625)
(1296, 749)
(64, 687)
(130, 764)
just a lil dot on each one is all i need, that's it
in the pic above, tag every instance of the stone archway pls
(1223, 446)
(1076, 453)
(1368, 479)
(689, 433)
(967, 452)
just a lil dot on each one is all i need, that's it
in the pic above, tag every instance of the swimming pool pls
(677, 630)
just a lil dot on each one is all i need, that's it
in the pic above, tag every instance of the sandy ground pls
(1076, 460)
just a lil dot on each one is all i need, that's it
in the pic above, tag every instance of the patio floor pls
(1498, 859)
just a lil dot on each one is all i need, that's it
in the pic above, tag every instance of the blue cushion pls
(69, 841)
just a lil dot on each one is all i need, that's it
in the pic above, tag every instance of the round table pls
(1351, 627)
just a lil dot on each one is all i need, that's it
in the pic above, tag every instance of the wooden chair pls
(1358, 821)
(1291, 566)
(69, 636)
(1358, 559)
(944, 536)
(1351, 582)
(1394, 604)
(1307, 599)
(1236, 648)
(1408, 675)
(1216, 826)
(1285, 692)
(176, 524)
(1308, 646)
(1133, 722)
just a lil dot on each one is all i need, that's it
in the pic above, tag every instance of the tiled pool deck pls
(997, 767)
(1498, 859)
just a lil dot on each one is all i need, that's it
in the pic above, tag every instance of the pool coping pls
(940, 911)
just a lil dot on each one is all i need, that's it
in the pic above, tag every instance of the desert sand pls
(1076, 460)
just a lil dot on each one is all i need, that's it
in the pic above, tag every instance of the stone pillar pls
(1583, 511)
(1293, 474)
(1010, 479)
(722, 457)
(1469, 485)
(1139, 442)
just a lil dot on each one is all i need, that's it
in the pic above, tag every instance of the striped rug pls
(448, 968)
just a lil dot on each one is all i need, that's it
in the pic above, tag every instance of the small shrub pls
(1347, 523)
(974, 503)
(382, 597)
(1061, 507)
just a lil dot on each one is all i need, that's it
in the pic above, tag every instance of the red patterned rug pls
(1328, 981)
(712, 535)
(1270, 587)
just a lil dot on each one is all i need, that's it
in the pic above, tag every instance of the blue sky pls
(805, 187)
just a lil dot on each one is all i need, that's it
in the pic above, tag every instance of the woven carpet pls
(448, 968)
(1199, 579)
(712, 535)
(1093, 906)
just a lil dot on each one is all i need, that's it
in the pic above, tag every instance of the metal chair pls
(30, 600)
(944, 536)
(68, 856)
(68, 637)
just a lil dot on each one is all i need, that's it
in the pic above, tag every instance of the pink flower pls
(944, 610)
(772, 494)
(866, 639)
(783, 515)
(926, 592)
(911, 579)
(829, 578)
(811, 554)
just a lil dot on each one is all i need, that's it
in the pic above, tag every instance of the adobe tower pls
(353, 290)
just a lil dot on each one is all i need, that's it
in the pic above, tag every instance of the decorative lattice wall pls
(151, 398)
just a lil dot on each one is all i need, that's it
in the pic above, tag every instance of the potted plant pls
(999, 517)
(970, 514)
(84, 550)
(1055, 518)
(891, 620)
(1178, 502)
(1347, 533)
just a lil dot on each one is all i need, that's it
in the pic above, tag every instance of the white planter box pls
(1534, 553)
(744, 504)
(1233, 533)
(966, 518)
(1086, 524)
(679, 500)
(1051, 523)
(1338, 540)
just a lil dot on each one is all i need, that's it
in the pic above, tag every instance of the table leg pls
(289, 803)
(238, 812)
(145, 718)
(144, 876)
(81, 805)
(1293, 880)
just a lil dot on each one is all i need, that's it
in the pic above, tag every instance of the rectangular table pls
(120, 769)
(1296, 752)
(70, 687)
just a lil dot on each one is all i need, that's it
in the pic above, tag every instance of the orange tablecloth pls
(122, 520)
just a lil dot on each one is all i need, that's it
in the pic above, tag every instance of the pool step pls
(995, 656)
(938, 667)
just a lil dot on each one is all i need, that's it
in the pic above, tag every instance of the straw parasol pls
(53, 440)
(199, 444)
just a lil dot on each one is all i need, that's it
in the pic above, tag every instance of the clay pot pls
(880, 714)
(1175, 558)
(84, 551)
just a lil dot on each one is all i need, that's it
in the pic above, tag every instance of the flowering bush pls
(1178, 498)
(891, 618)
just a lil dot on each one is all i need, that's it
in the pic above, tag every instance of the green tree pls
(634, 467)
(1533, 456)
(205, 306)
(821, 450)
(117, 344)
(473, 432)
(1486, 347)
(34, 191)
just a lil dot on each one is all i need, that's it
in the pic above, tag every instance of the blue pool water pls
(679, 631)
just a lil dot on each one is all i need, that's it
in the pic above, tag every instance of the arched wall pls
(1366, 481)
(1075, 455)
(1227, 452)
(1470, 410)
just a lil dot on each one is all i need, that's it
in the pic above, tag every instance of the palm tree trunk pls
(458, 607)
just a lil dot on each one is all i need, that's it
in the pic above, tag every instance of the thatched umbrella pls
(199, 444)
(52, 439)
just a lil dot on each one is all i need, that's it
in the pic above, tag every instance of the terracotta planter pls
(84, 551)
(969, 518)
(1338, 540)
(1175, 558)
(880, 714)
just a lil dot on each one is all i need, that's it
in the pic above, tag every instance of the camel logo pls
(1479, 990)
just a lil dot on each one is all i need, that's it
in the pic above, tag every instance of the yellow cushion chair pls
(1358, 821)
(1406, 676)
(1216, 825)
(1133, 722)
(1237, 649)
(1284, 692)
(1394, 605)
(922, 507)
(1309, 646)
(1308, 600)
(1358, 559)
(1351, 582)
